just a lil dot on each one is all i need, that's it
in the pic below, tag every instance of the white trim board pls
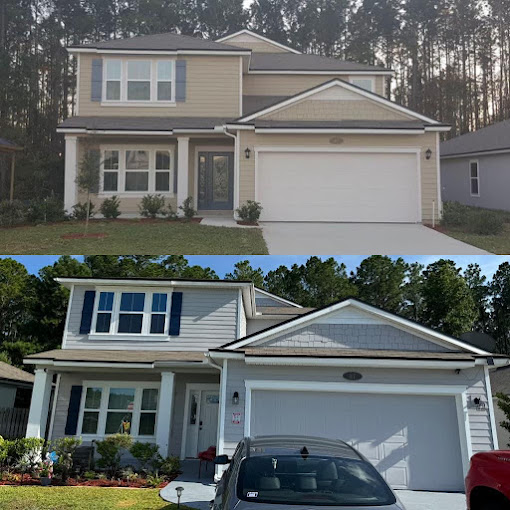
(259, 37)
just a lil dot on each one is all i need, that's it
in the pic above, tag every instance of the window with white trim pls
(139, 81)
(132, 170)
(364, 83)
(118, 407)
(132, 313)
(474, 179)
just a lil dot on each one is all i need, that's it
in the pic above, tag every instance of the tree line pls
(451, 57)
(439, 295)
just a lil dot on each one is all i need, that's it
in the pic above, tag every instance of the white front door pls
(202, 420)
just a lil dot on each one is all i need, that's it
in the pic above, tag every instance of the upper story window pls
(132, 313)
(139, 81)
(474, 179)
(364, 83)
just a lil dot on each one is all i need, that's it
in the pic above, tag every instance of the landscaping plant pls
(152, 205)
(11, 213)
(250, 211)
(169, 466)
(110, 208)
(504, 405)
(45, 210)
(110, 450)
(187, 208)
(83, 211)
(145, 453)
(65, 448)
(88, 178)
(170, 214)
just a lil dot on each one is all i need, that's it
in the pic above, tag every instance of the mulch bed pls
(247, 223)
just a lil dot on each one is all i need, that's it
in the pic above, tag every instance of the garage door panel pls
(412, 440)
(333, 186)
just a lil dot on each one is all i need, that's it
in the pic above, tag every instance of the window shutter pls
(96, 85)
(87, 311)
(73, 410)
(180, 81)
(175, 314)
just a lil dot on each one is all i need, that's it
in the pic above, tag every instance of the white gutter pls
(157, 52)
(149, 283)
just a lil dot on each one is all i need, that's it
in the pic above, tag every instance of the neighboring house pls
(15, 386)
(245, 118)
(500, 381)
(188, 364)
(475, 167)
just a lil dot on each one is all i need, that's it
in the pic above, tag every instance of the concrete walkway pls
(302, 238)
(199, 491)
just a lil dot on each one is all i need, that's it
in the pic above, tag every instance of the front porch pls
(201, 166)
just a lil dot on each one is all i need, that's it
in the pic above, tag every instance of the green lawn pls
(81, 498)
(134, 238)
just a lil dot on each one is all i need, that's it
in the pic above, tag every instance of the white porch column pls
(164, 417)
(40, 403)
(71, 169)
(182, 170)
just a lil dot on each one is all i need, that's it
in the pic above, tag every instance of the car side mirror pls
(221, 460)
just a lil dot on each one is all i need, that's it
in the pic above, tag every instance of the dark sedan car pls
(294, 472)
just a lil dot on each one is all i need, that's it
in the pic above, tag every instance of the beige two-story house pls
(246, 118)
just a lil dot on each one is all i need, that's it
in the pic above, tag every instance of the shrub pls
(45, 210)
(110, 208)
(144, 453)
(12, 213)
(80, 211)
(250, 211)
(455, 214)
(65, 448)
(152, 205)
(169, 466)
(170, 214)
(25, 453)
(154, 480)
(486, 223)
(110, 451)
(89, 475)
(187, 208)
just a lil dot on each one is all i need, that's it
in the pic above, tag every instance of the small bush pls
(12, 213)
(110, 208)
(89, 475)
(250, 211)
(110, 451)
(65, 448)
(154, 480)
(45, 210)
(455, 214)
(152, 205)
(169, 466)
(187, 208)
(144, 453)
(80, 211)
(170, 214)
(486, 223)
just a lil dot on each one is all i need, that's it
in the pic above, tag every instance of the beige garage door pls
(338, 186)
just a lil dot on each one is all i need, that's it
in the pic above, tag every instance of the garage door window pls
(312, 480)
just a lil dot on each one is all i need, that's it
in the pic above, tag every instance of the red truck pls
(488, 481)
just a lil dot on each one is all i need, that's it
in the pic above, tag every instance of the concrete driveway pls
(303, 238)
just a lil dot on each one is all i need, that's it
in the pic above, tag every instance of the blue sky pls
(224, 263)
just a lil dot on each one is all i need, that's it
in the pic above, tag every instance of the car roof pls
(289, 445)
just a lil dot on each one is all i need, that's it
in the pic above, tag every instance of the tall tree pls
(500, 316)
(244, 271)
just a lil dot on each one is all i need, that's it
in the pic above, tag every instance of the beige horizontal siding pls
(290, 84)
(212, 90)
(423, 142)
(336, 110)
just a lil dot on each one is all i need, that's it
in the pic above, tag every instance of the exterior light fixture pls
(179, 491)
(428, 154)
(235, 398)
(247, 152)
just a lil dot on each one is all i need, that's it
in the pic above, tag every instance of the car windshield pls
(311, 480)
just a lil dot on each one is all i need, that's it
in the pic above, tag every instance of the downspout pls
(236, 169)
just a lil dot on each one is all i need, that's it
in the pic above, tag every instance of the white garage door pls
(413, 441)
(338, 186)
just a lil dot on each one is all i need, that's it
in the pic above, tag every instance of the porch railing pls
(13, 422)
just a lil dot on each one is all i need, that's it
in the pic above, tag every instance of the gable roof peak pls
(257, 36)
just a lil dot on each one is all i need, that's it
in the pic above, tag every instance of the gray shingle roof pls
(161, 42)
(282, 310)
(490, 138)
(14, 374)
(341, 124)
(500, 380)
(304, 62)
(142, 123)
(252, 104)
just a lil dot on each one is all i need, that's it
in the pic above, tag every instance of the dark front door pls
(215, 180)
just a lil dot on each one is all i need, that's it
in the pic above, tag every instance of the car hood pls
(248, 505)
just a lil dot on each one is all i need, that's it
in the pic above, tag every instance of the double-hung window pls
(474, 179)
(117, 407)
(139, 81)
(137, 170)
(132, 313)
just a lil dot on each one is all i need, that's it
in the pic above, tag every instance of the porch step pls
(211, 213)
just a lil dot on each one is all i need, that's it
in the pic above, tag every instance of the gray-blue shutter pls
(73, 410)
(96, 85)
(180, 81)
(87, 311)
(175, 314)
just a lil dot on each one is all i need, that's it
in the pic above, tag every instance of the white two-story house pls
(187, 364)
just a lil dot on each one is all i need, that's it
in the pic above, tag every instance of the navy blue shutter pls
(73, 410)
(175, 314)
(180, 81)
(96, 83)
(87, 311)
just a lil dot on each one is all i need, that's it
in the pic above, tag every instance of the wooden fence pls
(13, 422)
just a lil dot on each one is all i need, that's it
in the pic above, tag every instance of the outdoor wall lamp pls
(477, 403)
(428, 154)
(247, 152)
(235, 398)
(179, 491)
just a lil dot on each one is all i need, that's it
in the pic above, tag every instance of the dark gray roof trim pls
(161, 42)
(491, 138)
